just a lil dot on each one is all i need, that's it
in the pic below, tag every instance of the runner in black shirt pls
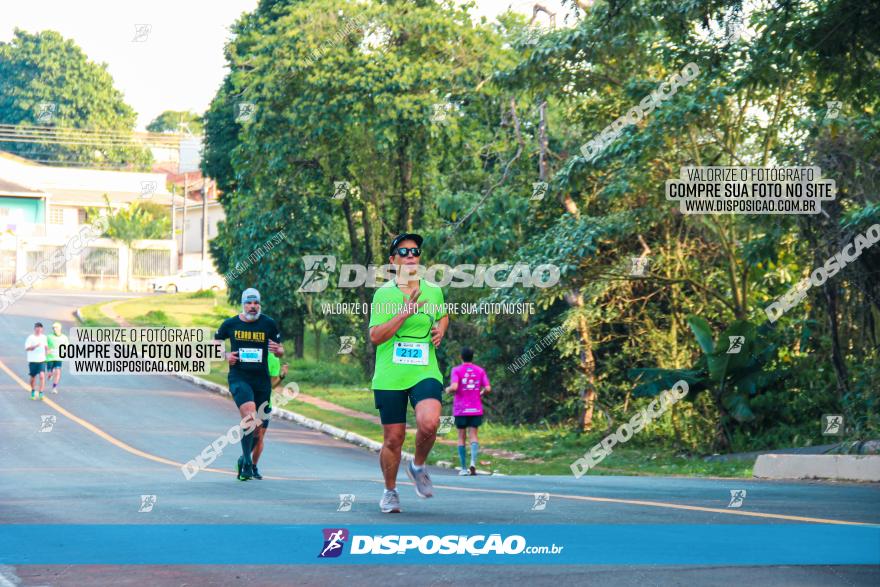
(252, 337)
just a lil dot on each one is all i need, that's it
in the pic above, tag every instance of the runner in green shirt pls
(53, 361)
(407, 322)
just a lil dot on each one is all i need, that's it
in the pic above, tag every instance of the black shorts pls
(255, 388)
(468, 421)
(35, 369)
(50, 365)
(391, 403)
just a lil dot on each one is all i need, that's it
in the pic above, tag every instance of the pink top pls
(471, 380)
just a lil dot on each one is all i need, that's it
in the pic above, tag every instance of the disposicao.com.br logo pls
(452, 544)
(319, 268)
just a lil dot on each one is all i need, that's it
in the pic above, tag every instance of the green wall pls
(34, 209)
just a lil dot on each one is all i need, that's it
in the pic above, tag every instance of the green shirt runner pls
(53, 343)
(410, 342)
(274, 365)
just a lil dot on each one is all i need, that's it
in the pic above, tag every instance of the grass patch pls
(325, 373)
(203, 293)
(93, 316)
(154, 318)
(183, 309)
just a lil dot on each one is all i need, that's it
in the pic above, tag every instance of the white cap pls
(250, 295)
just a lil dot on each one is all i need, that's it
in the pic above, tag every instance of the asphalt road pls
(117, 437)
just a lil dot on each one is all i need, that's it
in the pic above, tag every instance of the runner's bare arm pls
(439, 331)
(453, 387)
(383, 332)
(231, 358)
(276, 349)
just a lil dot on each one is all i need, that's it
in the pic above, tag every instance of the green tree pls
(46, 80)
(138, 221)
(177, 121)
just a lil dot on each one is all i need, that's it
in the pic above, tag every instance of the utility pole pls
(183, 230)
(172, 262)
(206, 187)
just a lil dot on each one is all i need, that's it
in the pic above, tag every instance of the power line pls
(56, 135)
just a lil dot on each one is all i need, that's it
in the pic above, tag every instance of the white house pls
(42, 208)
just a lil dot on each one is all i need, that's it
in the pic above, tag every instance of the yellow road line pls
(661, 504)
(118, 443)
(115, 441)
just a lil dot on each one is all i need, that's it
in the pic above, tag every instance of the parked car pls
(188, 281)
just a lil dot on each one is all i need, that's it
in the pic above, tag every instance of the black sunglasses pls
(405, 251)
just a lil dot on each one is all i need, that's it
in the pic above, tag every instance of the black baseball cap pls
(402, 237)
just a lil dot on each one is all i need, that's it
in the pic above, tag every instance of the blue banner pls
(600, 544)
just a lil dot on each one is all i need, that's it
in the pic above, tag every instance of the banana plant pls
(731, 369)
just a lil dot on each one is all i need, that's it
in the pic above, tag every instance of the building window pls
(4, 212)
(56, 215)
(81, 215)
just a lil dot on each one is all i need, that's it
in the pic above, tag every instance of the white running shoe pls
(421, 479)
(390, 502)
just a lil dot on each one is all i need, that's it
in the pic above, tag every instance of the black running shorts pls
(255, 388)
(468, 421)
(391, 403)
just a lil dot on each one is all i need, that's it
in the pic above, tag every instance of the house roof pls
(75, 185)
(8, 188)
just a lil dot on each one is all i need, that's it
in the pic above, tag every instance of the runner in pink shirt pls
(468, 382)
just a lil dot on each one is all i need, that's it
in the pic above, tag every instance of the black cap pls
(40, 324)
(402, 237)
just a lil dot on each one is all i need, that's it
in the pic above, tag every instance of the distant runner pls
(406, 366)
(36, 346)
(468, 382)
(252, 337)
(277, 371)
(53, 361)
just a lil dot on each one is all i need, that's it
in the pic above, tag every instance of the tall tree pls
(46, 80)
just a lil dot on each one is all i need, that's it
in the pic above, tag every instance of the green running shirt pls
(414, 334)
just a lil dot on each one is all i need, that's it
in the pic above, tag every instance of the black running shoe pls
(257, 473)
(244, 471)
(473, 470)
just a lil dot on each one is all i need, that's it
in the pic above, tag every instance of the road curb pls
(833, 467)
(284, 414)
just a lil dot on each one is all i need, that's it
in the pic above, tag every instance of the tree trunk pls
(317, 330)
(588, 395)
(837, 359)
(298, 332)
(404, 166)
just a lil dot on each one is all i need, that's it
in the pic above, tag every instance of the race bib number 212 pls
(410, 353)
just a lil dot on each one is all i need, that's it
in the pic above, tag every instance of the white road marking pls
(8, 578)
